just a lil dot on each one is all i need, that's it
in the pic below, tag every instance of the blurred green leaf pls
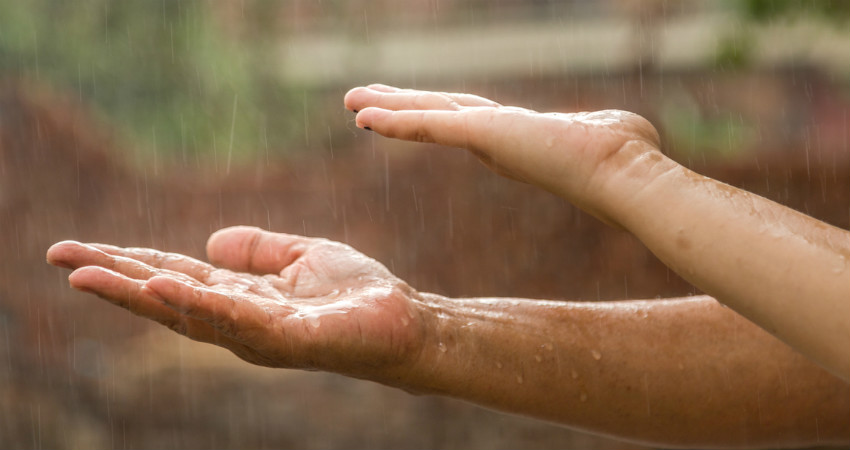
(165, 73)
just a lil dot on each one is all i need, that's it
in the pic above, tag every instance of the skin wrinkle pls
(486, 159)
(493, 161)
(253, 245)
(422, 134)
(636, 164)
(291, 275)
(463, 115)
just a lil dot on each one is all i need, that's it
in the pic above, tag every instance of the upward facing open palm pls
(280, 300)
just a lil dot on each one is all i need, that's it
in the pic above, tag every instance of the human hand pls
(579, 156)
(279, 300)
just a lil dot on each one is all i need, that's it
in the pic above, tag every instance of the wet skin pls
(783, 270)
(518, 143)
(631, 369)
(278, 300)
(680, 372)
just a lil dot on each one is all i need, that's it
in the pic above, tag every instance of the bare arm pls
(783, 270)
(681, 372)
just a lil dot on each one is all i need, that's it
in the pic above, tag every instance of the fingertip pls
(86, 278)
(351, 100)
(367, 117)
(57, 253)
(223, 243)
(360, 97)
(228, 232)
(78, 280)
(62, 244)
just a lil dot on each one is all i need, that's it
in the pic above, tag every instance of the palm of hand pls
(309, 303)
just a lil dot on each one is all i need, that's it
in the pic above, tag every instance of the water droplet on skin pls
(596, 355)
(583, 396)
(313, 321)
(498, 365)
(519, 379)
(538, 358)
(841, 267)
(574, 374)
(442, 347)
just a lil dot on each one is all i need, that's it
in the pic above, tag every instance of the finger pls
(477, 129)
(125, 292)
(176, 262)
(250, 249)
(408, 99)
(75, 255)
(229, 314)
(134, 296)
(462, 99)
(359, 98)
(65, 254)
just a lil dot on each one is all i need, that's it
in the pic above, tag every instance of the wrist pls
(420, 373)
(621, 180)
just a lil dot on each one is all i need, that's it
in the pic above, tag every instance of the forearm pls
(785, 271)
(678, 372)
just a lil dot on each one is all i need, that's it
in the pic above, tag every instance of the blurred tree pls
(166, 73)
(763, 10)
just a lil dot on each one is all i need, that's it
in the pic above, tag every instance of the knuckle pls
(424, 100)
(252, 248)
(422, 136)
(178, 326)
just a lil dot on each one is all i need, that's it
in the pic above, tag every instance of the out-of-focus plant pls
(165, 74)
(735, 51)
(694, 133)
(837, 11)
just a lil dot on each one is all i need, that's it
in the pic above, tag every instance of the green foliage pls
(764, 10)
(694, 133)
(734, 52)
(165, 73)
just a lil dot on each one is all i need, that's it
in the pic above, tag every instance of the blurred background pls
(155, 123)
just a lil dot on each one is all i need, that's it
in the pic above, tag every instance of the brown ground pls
(76, 372)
